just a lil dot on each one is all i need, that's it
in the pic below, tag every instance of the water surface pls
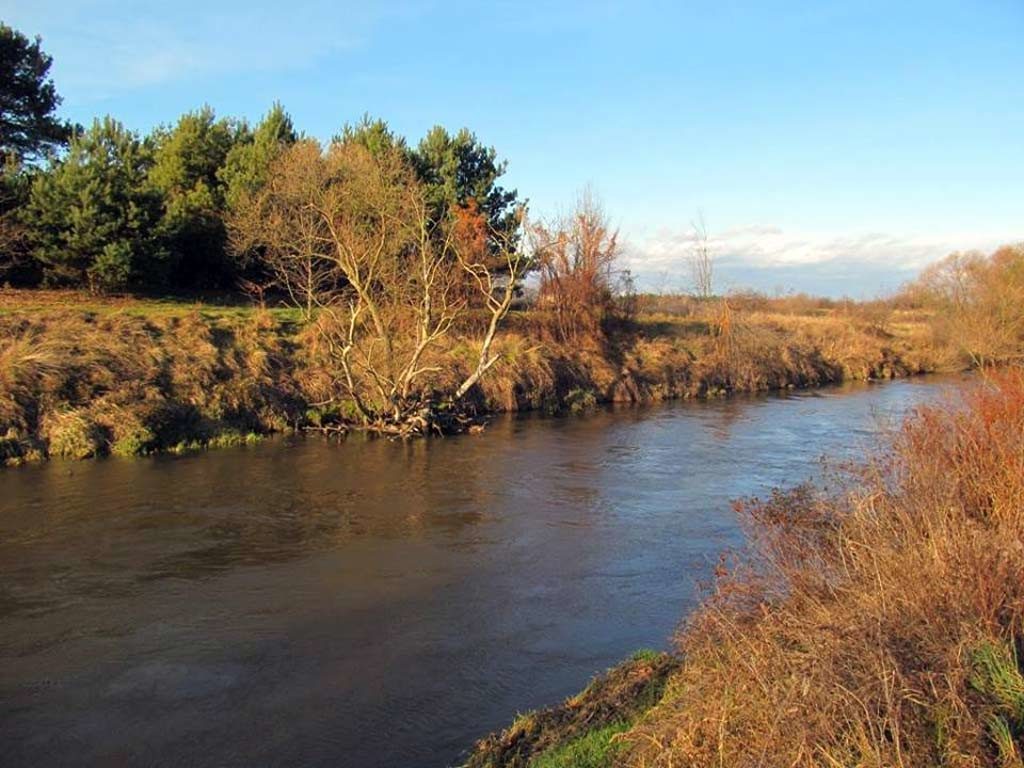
(371, 603)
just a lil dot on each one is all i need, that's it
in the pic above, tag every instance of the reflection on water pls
(373, 603)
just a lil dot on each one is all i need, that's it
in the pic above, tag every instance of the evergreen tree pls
(247, 169)
(461, 176)
(187, 163)
(29, 130)
(247, 165)
(372, 133)
(16, 263)
(28, 100)
(92, 216)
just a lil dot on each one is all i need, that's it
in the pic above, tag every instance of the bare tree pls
(289, 232)
(979, 301)
(702, 260)
(352, 229)
(578, 257)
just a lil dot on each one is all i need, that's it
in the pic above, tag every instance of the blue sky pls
(833, 147)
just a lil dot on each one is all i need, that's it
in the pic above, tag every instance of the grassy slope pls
(82, 376)
(583, 731)
(132, 377)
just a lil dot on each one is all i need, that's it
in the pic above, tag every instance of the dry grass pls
(83, 376)
(877, 627)
(78, 384)
(210, 306)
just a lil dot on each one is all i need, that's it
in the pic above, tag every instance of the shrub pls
(74, 436)
(579, 400)
(137, 440)
(112, 267)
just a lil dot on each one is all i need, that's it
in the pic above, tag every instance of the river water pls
(372, 603)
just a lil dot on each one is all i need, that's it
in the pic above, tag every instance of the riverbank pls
(585, 730)
(82, 376)
(876, 626)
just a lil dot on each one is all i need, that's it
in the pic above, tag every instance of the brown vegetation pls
(349, 233)
(978, 304)
(78, 384)
(577, 258)
(82, 376)
(176, 374)
(878, 627)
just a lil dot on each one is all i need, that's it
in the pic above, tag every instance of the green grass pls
(645, 654)
(996, 673)
(594, 749)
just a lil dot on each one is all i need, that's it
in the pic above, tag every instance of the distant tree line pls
(104, 208)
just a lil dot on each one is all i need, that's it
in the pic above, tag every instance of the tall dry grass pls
(76, 384)
(877, 626)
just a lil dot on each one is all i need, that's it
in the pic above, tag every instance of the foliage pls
(348, 231)
(16, 262)
(185, 174)
(118, 212)
(29, 128)
(277, 220)
(92, 216)
(372, 134)
(247, 165)
(461, 174)
(29, 131)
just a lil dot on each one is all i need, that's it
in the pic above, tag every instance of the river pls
(370, 603)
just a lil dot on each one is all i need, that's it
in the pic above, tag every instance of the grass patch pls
(582, 730)
(594, 749)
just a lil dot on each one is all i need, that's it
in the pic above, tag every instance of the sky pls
(831, 147)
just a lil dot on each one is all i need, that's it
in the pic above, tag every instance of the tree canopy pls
(29, 127)
(247, 165)
(92, 217)
(187, 161)
(460, 171)
(121, 210)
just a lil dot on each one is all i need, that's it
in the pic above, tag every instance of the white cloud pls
(768, 257)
